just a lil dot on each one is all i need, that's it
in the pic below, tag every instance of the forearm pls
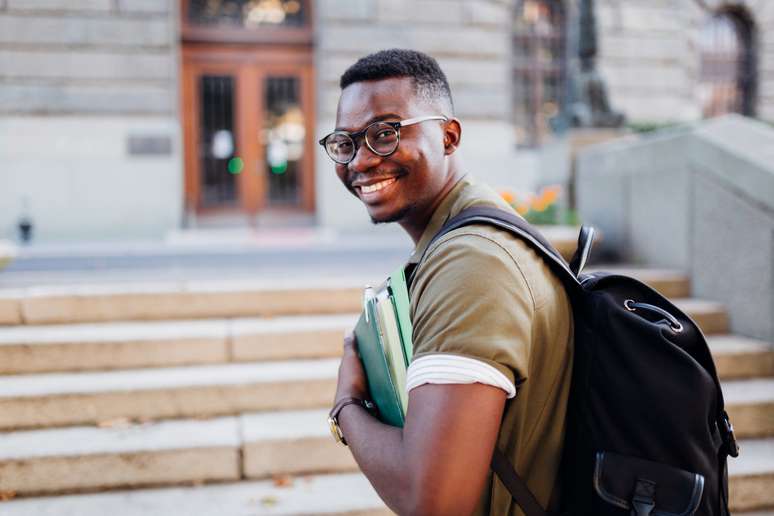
(379, 451)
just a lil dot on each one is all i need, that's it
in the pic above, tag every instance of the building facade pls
(133, 118)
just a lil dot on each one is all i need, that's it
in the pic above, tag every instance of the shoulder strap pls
(516, 485)
(514, 225)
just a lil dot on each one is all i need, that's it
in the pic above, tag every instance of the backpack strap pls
(516, 485)
(522, 229)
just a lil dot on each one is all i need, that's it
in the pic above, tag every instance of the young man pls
(492, 325)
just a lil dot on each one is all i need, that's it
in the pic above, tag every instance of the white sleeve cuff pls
(442, 368)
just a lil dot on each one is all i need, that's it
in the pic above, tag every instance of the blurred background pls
(178, 259)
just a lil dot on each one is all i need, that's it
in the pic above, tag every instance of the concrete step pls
(750, 404)
(78, 458)
(347, 494)
(711, 317)
(741, 357)
(170, 452)
(751, 476)
(251, 446)
(670, 283)
(209, 299)
(126, 345)
(187, 300)
(60, 399)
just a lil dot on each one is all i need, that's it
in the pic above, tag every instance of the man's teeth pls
(377, 186)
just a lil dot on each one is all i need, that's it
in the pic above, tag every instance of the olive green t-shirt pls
(481, 293)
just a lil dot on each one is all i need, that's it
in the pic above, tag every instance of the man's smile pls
(375, 191)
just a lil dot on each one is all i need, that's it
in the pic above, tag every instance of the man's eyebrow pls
(378, 118)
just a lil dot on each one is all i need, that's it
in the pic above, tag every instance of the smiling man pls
(492, 325)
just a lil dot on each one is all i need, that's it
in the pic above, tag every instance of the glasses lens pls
(382, 138)
(340, 147)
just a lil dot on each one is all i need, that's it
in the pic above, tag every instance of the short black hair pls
(430, 82)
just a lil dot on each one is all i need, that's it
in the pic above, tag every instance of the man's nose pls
(364, 159)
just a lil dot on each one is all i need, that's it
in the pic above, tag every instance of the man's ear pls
(452, 134)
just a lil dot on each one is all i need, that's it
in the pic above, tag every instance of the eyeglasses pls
(382, 139)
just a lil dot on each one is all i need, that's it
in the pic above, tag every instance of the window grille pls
(247, 13)
(727, 64)
(538, 68)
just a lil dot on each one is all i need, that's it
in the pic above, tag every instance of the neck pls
(416, 225)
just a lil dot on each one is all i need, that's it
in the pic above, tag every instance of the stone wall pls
(649, 56)
(698, 199)
(89, 127)
(470, 40)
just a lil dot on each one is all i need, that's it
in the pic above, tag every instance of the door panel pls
(248, 121)
(284, 137)
(219, 162)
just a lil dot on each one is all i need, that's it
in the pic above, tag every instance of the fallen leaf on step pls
(7, 495)
(282, 480)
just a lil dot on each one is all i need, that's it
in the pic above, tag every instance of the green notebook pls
(384, 342)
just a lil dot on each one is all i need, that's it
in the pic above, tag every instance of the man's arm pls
(438, 462)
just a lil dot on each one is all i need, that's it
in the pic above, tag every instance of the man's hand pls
(438, 462)
(352, 379)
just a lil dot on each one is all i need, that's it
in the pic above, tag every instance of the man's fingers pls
(350, 341)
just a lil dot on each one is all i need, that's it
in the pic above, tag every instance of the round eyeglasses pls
(381, 138)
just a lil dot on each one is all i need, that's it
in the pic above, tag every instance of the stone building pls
(131, 118)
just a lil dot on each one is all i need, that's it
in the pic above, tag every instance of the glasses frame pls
(362, 135)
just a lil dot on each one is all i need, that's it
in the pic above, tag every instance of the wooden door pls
(248, 113)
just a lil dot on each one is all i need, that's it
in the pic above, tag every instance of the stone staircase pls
(211, 398)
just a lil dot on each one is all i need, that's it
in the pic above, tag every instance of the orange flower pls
(539, 204)
(507, 196)
(551, 194)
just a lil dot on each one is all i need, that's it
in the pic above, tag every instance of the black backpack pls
(647, 433)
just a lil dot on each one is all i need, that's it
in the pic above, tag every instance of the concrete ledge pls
(154, 302)
(300, 444)
(272, 444)
(740, 357)
(105, 346)
(699, 198)
(32, 401)
(709, 316)
(345, 494)
(70, 308)
(669, 283)
(285, 338)
(80, 458)
(31, 358)
(299, 456)
(34, 349)
(751, 476)
(62, 474)
(10, 307)
(750, 404)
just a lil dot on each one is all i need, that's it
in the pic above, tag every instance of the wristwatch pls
(333, 417)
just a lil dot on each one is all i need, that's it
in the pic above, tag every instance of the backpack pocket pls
(646, 488)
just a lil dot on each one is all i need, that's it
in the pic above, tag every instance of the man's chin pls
(396, 216)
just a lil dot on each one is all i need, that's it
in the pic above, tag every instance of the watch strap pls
(349, 401)
(333, 417)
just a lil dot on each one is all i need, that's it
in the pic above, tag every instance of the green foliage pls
(649, 127)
